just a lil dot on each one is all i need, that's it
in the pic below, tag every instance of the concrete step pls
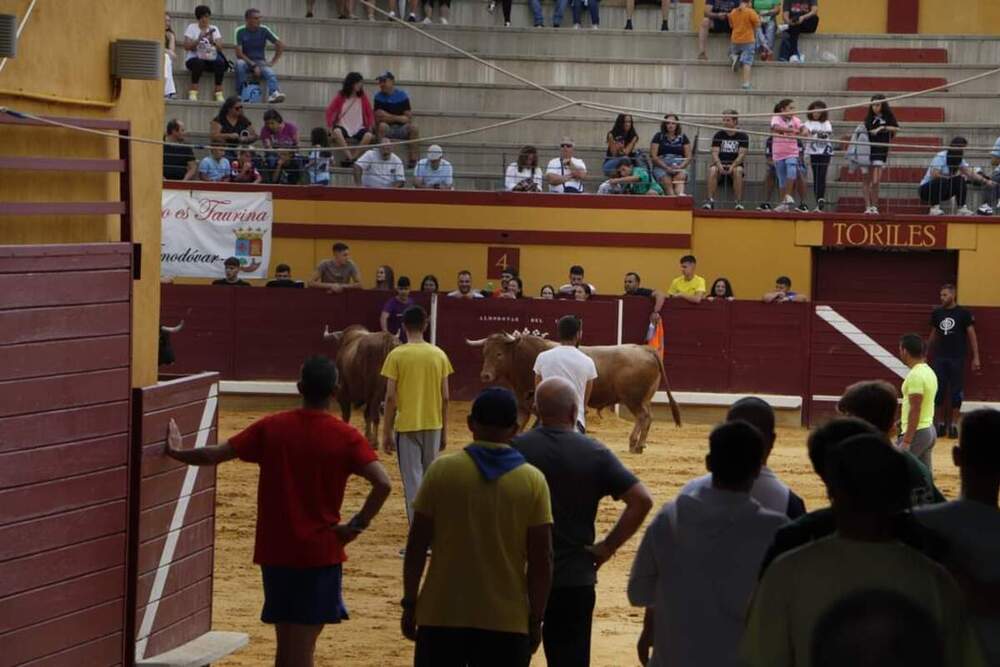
(892, 55)
(903, 84)
(518, 98)
(608, 42)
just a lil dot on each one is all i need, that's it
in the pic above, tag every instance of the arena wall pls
(62, 69)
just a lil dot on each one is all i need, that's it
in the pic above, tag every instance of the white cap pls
(434, 152)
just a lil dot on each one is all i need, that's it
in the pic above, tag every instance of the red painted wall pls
(903, 17)
(65, 457)
(882, 276)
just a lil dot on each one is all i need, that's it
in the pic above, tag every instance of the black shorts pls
(720, 27)
(727, 179)
(357, 137)
(950, 373)
(303, 595)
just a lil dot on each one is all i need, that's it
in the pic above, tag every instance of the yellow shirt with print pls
(681, 285)
(921, 381)
(418, 369)
(476, 578)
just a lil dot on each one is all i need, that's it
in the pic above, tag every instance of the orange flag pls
(655, 338)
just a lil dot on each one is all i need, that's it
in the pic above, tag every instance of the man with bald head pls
(580, 472)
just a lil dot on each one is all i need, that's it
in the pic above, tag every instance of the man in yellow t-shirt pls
(486, 514)
(916, 433)
(416, 403)
(688, 286)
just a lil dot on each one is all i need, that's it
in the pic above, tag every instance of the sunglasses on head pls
(565, 145)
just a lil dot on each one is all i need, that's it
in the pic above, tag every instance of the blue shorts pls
(786, 170)
(743, 52)
(303, 595)
(673, 161)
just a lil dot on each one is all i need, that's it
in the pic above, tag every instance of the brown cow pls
(359, 372)
(628, 374)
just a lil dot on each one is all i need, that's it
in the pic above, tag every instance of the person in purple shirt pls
(392, 312)
(282, 167)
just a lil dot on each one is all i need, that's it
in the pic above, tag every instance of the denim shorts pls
(786, 170)
(744, 52)
(672, 161)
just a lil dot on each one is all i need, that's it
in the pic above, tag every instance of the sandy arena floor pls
(373, 573)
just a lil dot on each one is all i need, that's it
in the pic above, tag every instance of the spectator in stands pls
(768, 10)
(179, 163)
(169, 55)
(283, 278)
(318, 165)
(575, 278)
(877, 402)
(621, 141)
(464, 287)
(801, 17)
(393, 116)
(350, 118)
(688, 286)
(916, 428)
(507, 5)
(994, 196)
(716, 21)
(434, 172)
(251, 58)
(695, 568)
(558, 8)
(380, 168)
(722, 290)
(391, 319)
(670, 152)
(593, 6)
(514, 289)
(385, 278)
(232, 278)
(881, 124)
(783, 292)
(786, 128)
(444, 9)
(286, 167)
(867, 485)
(487, 609)
(566, 172)
(819, 149)
(345, 9)
(972, 524)
(214, 166)
(244, 170)
(631, 180)
(581, 292)
(948, 176)
(231, 128)
(306, 457)
(547, 292)
(338, 273)
(767, 488)
(429, 284)
(664, 13)
(505, 277)
(729, 151)
(743, 40)
(633, 287)
(203, 51)
(524, 175)
(580, 472)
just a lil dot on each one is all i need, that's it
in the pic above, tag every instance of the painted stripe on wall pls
(862, 340)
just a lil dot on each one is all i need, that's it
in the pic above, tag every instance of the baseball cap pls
(566, 141)
(385, 75)
(495, 406)
(434, 152)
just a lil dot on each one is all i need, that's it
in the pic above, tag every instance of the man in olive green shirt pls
(916, 433)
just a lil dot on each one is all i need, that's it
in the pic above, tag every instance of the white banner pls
(201, 229)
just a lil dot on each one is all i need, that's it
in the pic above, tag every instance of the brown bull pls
(628, 374)
(359, 373)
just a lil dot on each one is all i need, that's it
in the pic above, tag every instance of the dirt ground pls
(373, 573)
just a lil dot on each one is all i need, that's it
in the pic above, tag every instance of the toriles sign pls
(885, 234)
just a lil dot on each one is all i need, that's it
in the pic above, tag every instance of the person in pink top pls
(351, 119)
(786, 128)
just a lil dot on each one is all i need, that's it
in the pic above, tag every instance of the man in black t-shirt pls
(716, 21)
(232, 266)
(179, 163)
(580, 472)
(952, 333)
(633, 288)
(729, 150)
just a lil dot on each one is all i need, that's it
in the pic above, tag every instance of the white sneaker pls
(985, 209)
(427, 20)
(492, 6)
(444, 21)
(964, 210)
(275, 97)
(789, 201)
(506, 24)
(576, 26)
(935, 210)
(594, 27)
(392, 14)
(871, 210)
(192, 95)
(794, 59)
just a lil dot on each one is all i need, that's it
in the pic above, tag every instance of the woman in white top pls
(524, 175)
(203, 44)
(169, 53)
(819, 149)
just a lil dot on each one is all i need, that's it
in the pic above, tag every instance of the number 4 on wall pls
(499, 259)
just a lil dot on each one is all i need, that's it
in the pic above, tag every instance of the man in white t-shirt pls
(465, 290)
(971, 524)
(568, 362)
(380, 168)
(566, 173)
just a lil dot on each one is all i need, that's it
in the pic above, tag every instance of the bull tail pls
(675, 409)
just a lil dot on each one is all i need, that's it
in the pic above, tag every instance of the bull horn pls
(475, 343)
(327, 334)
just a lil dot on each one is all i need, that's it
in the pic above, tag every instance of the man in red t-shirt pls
(305, 458)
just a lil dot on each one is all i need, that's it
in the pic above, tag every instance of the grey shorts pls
(398, 131)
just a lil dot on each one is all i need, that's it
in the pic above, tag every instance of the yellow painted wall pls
(64, 51)
(977, 269)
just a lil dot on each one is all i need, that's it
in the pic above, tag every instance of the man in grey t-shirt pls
(339, 273)
(580, 472)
